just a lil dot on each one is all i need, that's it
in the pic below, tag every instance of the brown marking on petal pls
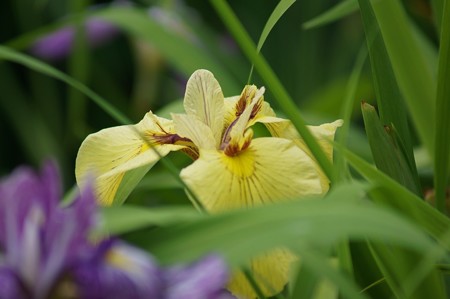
(247, 95)
(158, 138)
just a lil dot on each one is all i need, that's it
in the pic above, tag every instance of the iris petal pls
(270, 169)
(204, 100)
(120, 154)
(323, 133)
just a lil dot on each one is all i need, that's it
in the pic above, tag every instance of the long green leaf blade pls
(386, 151)
(389, 98)
(399, 198)
(414, 76)
(335, 13)
(238, 234)
(442, 126)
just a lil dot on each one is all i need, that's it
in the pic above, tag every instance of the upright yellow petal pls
(270, 169)
(113, 154)
(190, 127)
(204, 100)
(323, 133)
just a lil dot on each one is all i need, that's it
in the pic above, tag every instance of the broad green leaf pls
(389, 98)
(386, 150)
(401, 199)
(340, 10)
(128, 218)
(442, 124)
(238, 235)
(272, 82)
(414, 76)
(138, 24)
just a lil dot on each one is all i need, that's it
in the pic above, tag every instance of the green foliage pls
(380, 232)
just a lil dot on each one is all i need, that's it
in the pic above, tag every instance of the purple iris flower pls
(46, 252)
(58, 44)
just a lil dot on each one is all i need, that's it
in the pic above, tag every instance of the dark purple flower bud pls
(202, 280)
(58, 44)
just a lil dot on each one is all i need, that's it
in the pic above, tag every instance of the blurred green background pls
(144, 67)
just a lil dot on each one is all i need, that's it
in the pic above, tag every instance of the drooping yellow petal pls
(269, 170)
(204, 100)
(117, 155)
(323, 133)
(190, 127)
(270, 270)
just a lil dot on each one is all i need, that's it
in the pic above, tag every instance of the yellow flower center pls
(241, 165)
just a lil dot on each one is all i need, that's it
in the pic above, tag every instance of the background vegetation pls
(384, 239)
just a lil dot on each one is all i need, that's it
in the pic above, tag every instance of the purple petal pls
(10, 286)
(118, 271)
(58, 44)
(205, 279)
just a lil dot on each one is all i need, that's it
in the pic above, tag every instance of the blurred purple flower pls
(202, 280)
(58, 44)
(45, 251)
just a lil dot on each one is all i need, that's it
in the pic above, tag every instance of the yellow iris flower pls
(231, 169)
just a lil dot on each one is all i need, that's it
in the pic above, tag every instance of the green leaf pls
(386, 150)
(396, 264)
(277, 13)
(367, 273)
(389, 98)
(128, 183)
(238, 236)
(401, 199)
(442, 125)
(335, 13)
(317, 264)
(346, 112)
(176, 49)
(409, 62)
(128, 218)
(438, 8)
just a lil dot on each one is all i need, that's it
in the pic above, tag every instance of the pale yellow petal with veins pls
(110, 154)
(204, 99)
(190, 127)
(270, 270)
(323, 133)
(269, 170)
